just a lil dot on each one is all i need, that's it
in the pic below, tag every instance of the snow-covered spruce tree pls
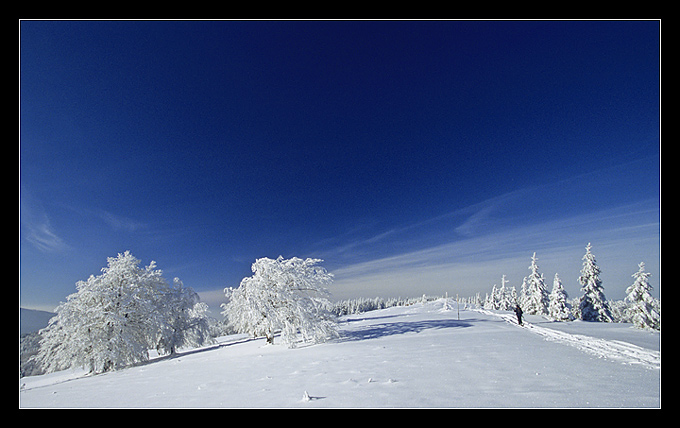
(645, 311)
(111, 321)
(513, 298)
(522, 293)
(536, 298)
(283, 295)
(507, 299)
(447, 303)
(558, 309)
(491, 301)
(593, 304)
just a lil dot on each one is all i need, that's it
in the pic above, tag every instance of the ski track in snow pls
(624, 352)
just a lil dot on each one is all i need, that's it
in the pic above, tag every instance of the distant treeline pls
(362, 304)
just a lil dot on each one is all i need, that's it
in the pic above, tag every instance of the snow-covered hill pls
(415, 356)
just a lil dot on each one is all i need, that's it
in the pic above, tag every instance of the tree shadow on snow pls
(404, 327)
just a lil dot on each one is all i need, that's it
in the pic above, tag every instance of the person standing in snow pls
(518, 312)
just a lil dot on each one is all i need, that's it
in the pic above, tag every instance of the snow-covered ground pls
(415, 356)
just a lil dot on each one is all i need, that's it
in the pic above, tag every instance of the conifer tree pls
(523, 293)
(593, 304)
(645, 311)
(536, 299)
(493, 299)
(558, 308)
(506, 301)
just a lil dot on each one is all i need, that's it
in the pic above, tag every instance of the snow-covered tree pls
(645, 311)
(513, 298)
(447, 303)
(495, 297)
(523, 293)
(506, 298)
(593, 304)
(536, 298)
(286, 295)
(492, 301)
(558, 308)
(111, 321)
(105, 325)
(185, 321)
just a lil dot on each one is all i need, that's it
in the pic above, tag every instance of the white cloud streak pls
(467, 250)
(37, 227)
(474, 264)
(43, 237)
(621, 238)
(120, 223)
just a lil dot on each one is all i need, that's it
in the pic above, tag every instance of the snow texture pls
(408, 356)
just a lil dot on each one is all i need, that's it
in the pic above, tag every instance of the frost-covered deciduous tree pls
(645, 312)
(112, 320)
(185, 321)
(283, 295)
(536, 298)
(558, 308)
(593, 304)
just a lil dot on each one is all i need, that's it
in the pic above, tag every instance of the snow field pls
(416, 356)
(627, 353)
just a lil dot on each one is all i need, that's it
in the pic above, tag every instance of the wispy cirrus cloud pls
(36, 226)
(114, 221)
(118, 222)
(468, 249)
(42, 236)
(620, 237)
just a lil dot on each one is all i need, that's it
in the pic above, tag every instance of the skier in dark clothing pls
(518, 312)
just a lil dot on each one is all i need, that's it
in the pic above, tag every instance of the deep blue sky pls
(413, 156)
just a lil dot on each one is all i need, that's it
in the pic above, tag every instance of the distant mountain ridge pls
(31, 320)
